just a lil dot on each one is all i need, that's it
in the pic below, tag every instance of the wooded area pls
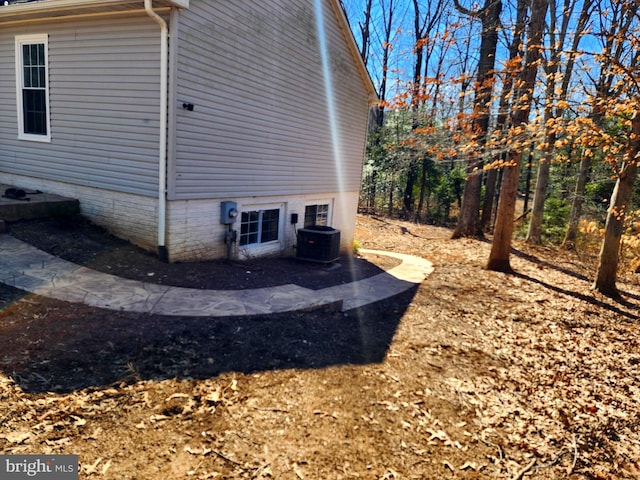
(523, 110)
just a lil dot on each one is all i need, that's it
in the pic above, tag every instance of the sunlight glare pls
(332, 115)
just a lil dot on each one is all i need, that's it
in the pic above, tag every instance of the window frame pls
(317, 204)
(261, 248)
(20, 41)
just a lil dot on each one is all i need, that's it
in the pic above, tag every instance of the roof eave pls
(43, 9)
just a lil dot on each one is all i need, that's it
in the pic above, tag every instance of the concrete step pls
(35, 205)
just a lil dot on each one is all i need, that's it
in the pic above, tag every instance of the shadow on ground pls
(586, 298)
(46, 345)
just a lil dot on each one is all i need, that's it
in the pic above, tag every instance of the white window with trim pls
(261, 229)
(316, 214)
(32, 84)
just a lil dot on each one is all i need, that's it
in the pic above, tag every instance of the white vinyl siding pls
(260, 124)
(104, 90)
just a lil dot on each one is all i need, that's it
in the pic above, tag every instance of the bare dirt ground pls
(474, 374)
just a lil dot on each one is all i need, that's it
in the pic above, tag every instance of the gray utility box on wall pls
(318, 244)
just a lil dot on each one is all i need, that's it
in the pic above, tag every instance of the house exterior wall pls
(260, 132)
(104, 84)
(260, 123)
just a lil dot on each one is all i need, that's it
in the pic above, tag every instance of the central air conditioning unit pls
(318, 244)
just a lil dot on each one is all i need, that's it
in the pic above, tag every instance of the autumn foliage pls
(578, 125)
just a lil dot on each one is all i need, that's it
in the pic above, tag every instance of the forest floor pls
(473, 374)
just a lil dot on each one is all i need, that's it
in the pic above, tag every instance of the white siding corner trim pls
(32, 77)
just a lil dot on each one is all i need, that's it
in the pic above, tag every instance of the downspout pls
(162, 157)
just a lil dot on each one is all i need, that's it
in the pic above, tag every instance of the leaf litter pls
(486, 375)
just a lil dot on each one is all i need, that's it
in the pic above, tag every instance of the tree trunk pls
(492, 183)
(569, 242)
(605, 281)
(407, 198)
(496, 198)
(391, 189)
(503, 231)
(499, 256)
(527, 188)
(534, 233)
(416, 95)
(489, 196)
(372, 192)
(423, 185)
(469, 224)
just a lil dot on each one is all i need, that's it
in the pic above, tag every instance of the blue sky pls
(466, 35)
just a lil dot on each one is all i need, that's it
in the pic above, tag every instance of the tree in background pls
(428, 129)
(614, 22)
(526, 83)
(556, 92)
(507, 76)
(365, 31)
(605, 281)
(425, 22)
(489, 15)
(624, 105)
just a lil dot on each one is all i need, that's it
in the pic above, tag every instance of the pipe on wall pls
(162, 157)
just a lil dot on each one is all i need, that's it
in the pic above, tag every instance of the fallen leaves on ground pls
(487, 375)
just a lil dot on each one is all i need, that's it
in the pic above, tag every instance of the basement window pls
(32, 84)
(316, 215)
(259, 227)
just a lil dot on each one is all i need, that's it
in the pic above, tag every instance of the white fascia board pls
(49, 6)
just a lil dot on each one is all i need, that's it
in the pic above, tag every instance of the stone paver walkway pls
(27, 268)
